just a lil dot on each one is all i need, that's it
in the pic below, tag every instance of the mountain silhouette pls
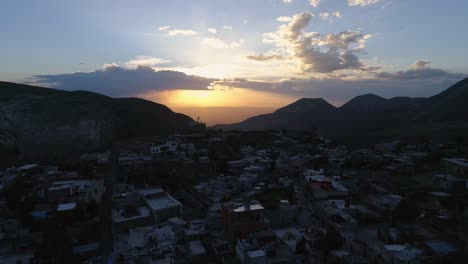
(47, 123)
(370, 118)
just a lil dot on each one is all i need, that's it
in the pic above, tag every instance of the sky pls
(226, 60)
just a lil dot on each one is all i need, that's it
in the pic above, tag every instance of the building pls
(18, 258)
(131, 216)
(241, 219)
(333, 214)
(247, 254)
(289, 238)
(440, 251)
(456, 166)
(326, 188)
(188, 148)
(78, 190)
(168, 147)
(146, 244)
(236, 166)
(143, 208)
(161, 204)
(158, 149)
(197, 251)
(247, 180)
(178, 225)
(385, 202)
(197, 230)
(401, 254)
(246, 150)
(450, 183)
(132, 159)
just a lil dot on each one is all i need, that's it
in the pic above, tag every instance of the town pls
(209, 196)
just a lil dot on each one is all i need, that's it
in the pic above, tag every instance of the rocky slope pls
(52, 124)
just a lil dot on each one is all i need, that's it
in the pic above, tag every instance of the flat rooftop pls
(27, 167)
(196, 248)
(66, 206)
(458, 161)
(117, 216)
(162, 202)
(245, 208)
(441, 247)
(403, 252)
(146, 192)
(60, 187)
(256, 254)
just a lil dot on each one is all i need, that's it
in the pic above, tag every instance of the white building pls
(169, 147)
(83, 190)
(161, 204)
(399, 254)
(150, 243)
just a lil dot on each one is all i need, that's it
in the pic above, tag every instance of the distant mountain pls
(449, 105)
(317, 111)
(369, 118)
(53, 124)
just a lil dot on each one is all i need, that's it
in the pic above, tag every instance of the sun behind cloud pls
(234, 97)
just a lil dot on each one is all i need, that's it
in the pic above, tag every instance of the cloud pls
(327, 15)
(315, 52)
(345, 39)
(386, 4)
(419, 70)
(218, 43)
(362, 2)
(414, 83)
(264, 57)
(212, 30)
(183, 32)
(420, 64)
(227, 27)
(175, 32)
(291, 31)
(324, 15)
(314, 3)
(288, 1)
(417, 81)
(145, 61)
(114, 80)
(284, 19)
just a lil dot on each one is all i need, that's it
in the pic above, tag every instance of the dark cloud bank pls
(419, 81)
(121, 82)
(416, 82)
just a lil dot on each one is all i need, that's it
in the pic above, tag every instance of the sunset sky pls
(225, 60)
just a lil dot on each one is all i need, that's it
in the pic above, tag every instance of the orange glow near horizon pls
(236, 97)
(220, 106)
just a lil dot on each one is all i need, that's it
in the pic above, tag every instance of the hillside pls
(318, 111)
(52, 124)
(370, 118)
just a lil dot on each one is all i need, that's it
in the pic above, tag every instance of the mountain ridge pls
(45, 123)
(369, 115)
